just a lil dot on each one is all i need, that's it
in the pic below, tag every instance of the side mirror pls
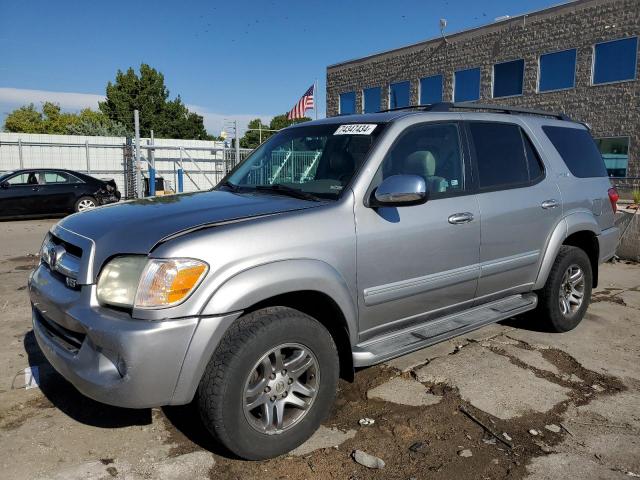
(4, 185)
(400, 190)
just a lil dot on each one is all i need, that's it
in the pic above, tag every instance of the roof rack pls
(448, 106)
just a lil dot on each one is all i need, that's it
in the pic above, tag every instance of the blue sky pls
(233, 59)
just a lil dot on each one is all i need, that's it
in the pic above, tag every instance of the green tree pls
(281, 121)
(148, 94)
(25, 119)
(94, 123)
(251, 138)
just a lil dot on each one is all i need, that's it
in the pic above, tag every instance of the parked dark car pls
(39, 192)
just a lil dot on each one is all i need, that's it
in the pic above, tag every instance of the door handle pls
(460, 218)
(35, 189)
(551, 203)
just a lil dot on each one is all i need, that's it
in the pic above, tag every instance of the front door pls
(419, 262)
(19, 197)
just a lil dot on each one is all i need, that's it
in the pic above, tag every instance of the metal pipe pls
(139, 187)
(20, 154)
(86, 154)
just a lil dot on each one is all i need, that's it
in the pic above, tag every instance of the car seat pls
(423, 163)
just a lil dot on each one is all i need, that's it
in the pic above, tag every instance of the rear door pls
(419, 262)
(59, 191)
(519, 203)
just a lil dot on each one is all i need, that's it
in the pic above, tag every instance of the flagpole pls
(315, 97)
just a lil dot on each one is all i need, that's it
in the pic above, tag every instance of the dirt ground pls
(508, 401)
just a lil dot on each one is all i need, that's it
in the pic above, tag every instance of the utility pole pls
(152, 168)
(235, 123)
(139, 186)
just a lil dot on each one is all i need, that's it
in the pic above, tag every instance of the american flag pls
(304, 104)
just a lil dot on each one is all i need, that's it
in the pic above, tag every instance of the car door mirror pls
(4, 185)
(400, 190)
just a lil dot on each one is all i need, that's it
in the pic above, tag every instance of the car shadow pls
(71, 402)
(531, 321)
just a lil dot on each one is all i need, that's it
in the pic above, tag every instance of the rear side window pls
(578, 150)
(500, 154)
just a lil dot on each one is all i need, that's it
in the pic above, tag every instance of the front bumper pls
(110, 357)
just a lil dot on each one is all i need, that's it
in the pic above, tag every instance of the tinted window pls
(500, 155)
(578, 150)
(615, 153)
(466, 85)
(371, 99)
(508, 78)
(399, 95)
(347, 103)
(431, 89)
(615, 61)
(431, 151)
(56, 177)
(557, 70)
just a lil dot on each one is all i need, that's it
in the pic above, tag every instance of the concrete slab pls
(420, 357)
(532, 358)
(618, 275)
(493, 384)
(323, 438)
(569, 465)
(404, 392)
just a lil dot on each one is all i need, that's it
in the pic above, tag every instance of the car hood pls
(137, 226)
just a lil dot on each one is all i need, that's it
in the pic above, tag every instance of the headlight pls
(135, 281)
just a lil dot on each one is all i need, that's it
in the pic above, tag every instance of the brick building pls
(580, 58)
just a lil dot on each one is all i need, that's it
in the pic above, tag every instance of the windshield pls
(318, 160)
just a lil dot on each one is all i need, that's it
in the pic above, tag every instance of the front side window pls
(399, 95)
(430, 150)
(578, 150)
(431, 90)
(347, 103)
(508, 78)
(557, 71)
(615, 61)
(25, 178)
(318, 160)
(466, 86)
(615, 153)
(505, 157)
(371, 100)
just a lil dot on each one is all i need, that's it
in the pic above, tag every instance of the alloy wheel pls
(572, 289)
(281, 388)
(86, 204)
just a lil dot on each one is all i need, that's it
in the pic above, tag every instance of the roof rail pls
(448, 106)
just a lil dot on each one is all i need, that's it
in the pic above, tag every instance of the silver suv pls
(337, 244)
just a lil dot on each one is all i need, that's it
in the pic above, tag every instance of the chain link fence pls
(203, 163)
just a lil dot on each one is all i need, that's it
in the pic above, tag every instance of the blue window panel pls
(399, 95)
(467, 85)
(615, 61)
(347, 103)
(557, 70)
(508, 78)
(372, 98)
(431, 89)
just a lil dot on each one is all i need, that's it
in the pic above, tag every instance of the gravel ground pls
(550, 405)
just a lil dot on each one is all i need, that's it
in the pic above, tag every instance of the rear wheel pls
(85, 203)
(270, 383)
(565, 297)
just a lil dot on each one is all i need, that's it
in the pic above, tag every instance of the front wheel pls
(565, 297)
(270, 383)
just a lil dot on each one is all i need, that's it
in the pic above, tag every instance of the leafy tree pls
(24, 119)
(281, 121)
(94, 123)
(148, 94)
(251, 138)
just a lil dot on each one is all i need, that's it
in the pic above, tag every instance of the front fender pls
(575, 222)
(260, 283)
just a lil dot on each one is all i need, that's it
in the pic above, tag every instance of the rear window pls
(578, 150)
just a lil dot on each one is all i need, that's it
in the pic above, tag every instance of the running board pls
(399, 343)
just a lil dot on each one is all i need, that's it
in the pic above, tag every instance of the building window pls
(347, 103)
(508, 78)
(399, 95)
(371, 100)
(615, 61)
(615, 152)
(431, 89)
(557, 71)
(466, 85)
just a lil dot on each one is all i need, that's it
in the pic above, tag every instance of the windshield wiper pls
(290, 191)
(231, 186)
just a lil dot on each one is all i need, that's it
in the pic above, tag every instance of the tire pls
(551, 305)
(235, 371)
(85, 203)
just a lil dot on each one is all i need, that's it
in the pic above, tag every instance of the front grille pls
(67, 339)
(72, 249)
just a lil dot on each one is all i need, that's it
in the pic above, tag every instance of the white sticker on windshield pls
(355, 129)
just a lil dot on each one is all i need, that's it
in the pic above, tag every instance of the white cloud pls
(66, 100)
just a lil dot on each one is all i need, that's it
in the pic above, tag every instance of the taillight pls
(613, 198)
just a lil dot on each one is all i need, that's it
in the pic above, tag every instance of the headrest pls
(421, 163)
